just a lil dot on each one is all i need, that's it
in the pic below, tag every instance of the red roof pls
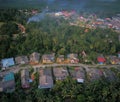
(101, 59)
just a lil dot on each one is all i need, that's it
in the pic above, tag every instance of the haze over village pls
(60, 51)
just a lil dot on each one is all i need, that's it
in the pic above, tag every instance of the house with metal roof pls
(21, 60)
(60, 59)
(60, 73)
(94, 74)
(78, 73)
(25, 78)
(45, 79)
(48, 58)
(34, 58)
(7, 83)
(109, 75)
(73, 58)
(113, 59)
(101, 59)
(7, 62)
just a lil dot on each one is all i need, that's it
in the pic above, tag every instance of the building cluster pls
(93, 22)
(89, 20)
(49, 76)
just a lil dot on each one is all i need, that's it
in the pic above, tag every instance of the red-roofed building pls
(101, 59)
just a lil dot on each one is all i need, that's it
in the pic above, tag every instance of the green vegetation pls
(55, 35)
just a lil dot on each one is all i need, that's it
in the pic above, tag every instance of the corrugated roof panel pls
(8, 62)
(9, 76)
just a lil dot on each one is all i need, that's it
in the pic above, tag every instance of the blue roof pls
(9, 76)
(8, 62)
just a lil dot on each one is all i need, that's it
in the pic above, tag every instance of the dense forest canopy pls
(53, 35)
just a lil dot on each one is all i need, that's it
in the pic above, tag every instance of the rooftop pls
(60, 73)
(78, 73)
(45, 78)
(7, 62)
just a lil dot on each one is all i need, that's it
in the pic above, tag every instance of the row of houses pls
(48, 76)
(35, 58)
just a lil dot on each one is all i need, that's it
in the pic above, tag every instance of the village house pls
(109, 75)
(21, 60)
(25, 78)
(34, 58)
(7, 62)
(48, 58)
(94, 74)
(60, 59)
(114, 60)
(78, 73)
(73, 58)
(45, 78)
(7, 83)
(60, 73)
(101, 60)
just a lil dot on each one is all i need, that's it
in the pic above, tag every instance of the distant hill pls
(107, 6)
